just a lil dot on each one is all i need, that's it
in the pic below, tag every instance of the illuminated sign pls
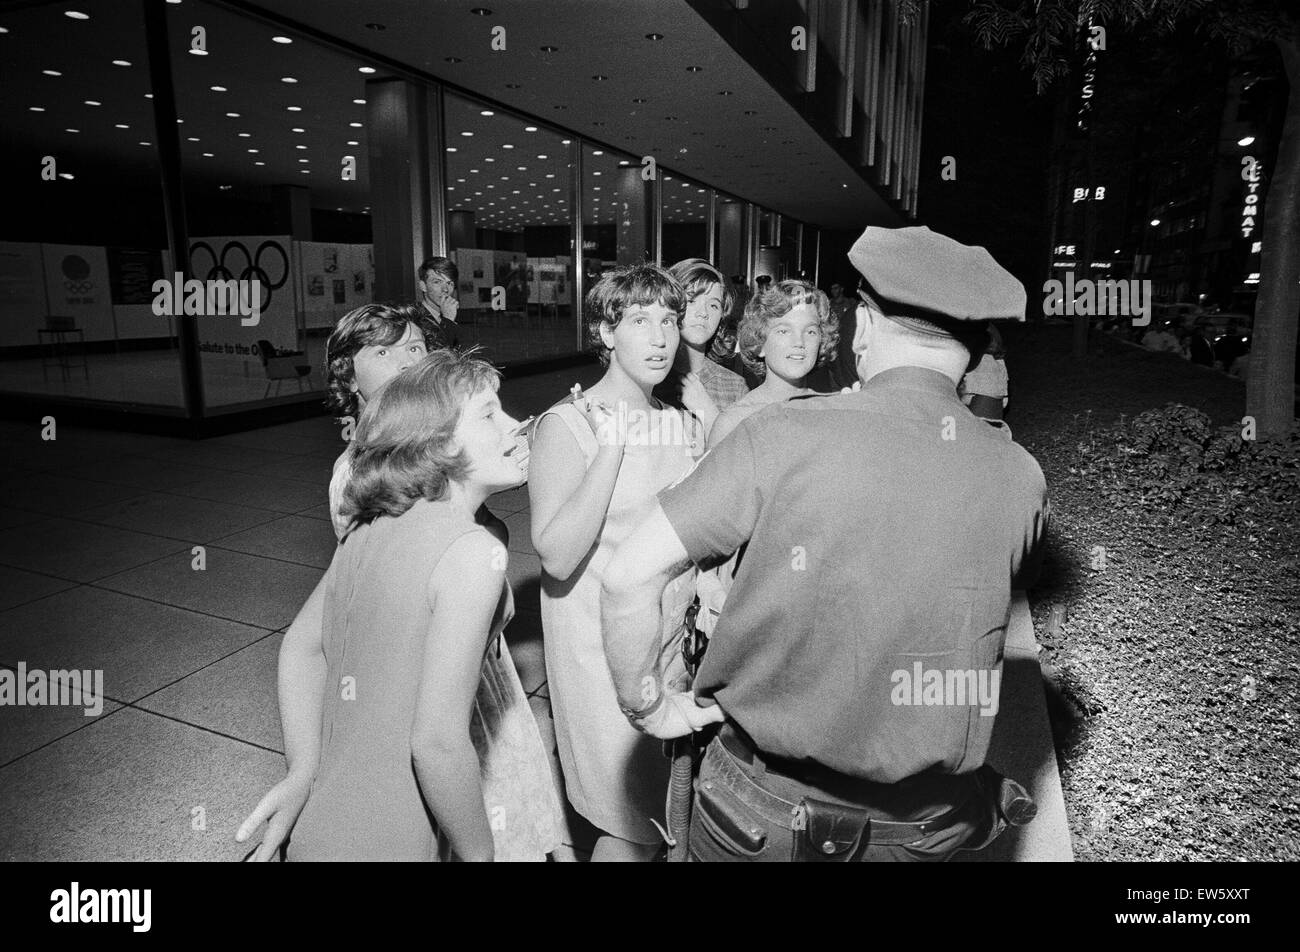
(1250, 174)
(1082, 194)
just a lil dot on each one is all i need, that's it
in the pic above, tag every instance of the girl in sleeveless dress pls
(421, 745)
(597, 462)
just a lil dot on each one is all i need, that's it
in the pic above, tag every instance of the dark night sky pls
(981, 108)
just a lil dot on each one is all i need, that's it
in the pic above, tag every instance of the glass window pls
(615, 212)
(685, 219)
(78, 263)
(510, 232)
(730, 250)
(273, 151)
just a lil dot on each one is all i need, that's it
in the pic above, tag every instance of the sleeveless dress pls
(365, 802)
(614, 775)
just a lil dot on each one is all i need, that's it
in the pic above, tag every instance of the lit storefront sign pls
(1250, 174)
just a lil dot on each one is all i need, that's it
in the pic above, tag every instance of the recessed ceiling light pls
(121, 62)
(305, 171)
(694, 69)
(121, 125)
(486, 112)
(355, 125)
(192, 139)
(245, 135)
(597, 152)
(358, 102)
(207, 155)
(541, 157)
(353, 142)
(451, 148)
(654, 36)
(252, 151)
(36, 108)
(599, 78)
(489, 159)
(287, 79)
(76, 14)
(304, 161)
(217, 89)
(293, 108)
(467, 134)
(63, 175)
(93, 102)
(300, 147)
(365, 69)
(564, 141)
(297, 129)
(194, 52)
(259, 162)
(146, 143)
(71, 130)
(534, 128)
(507, 146)
(148, 95)
(281, 39)
(51, 72)
(232, 115)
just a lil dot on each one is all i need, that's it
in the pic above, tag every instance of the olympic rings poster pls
(269, 259)
(77, 285)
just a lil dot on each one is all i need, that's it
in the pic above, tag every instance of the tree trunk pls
(1270, 388)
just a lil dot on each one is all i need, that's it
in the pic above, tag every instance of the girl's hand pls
(603, 421)
(696, 399)
(280, 808)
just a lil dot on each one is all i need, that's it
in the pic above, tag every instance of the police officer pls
(855, 671)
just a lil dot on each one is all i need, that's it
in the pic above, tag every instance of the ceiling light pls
(353, 142)
(217, 89)
(293, 108)
(654, 36)
(1246, 140)
(51, 72)
(599, 78)
(121, 62)
(300, 147)
(530, 128)
(301, 161)
(121, 125)
(451, 148)
(76, 14)
(486, 112)
(71, 130)
(93, 102)
(287, 79)
(467, 133)
(146, 143)
(281, 39)
(195, 52)
(489, 159)
(724, 92)
(355, 125)
(597, 152)
(207, 155)
(232, 115)
(694, 69)
(253, 151)
(358, 102)
(297, 129)
(365, 69)
(36, 108)
(148, 95)
(507, 146)
(64, 175)
(541, 156)
(192, 139)
(305, 171)
(564, 141)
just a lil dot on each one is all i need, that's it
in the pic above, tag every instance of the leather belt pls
(853, 790)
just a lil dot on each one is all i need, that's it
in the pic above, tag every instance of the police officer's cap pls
(924, 277)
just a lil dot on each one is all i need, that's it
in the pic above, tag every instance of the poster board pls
(77, 285)
(270, 259)
(22, 292)
(333, 279)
